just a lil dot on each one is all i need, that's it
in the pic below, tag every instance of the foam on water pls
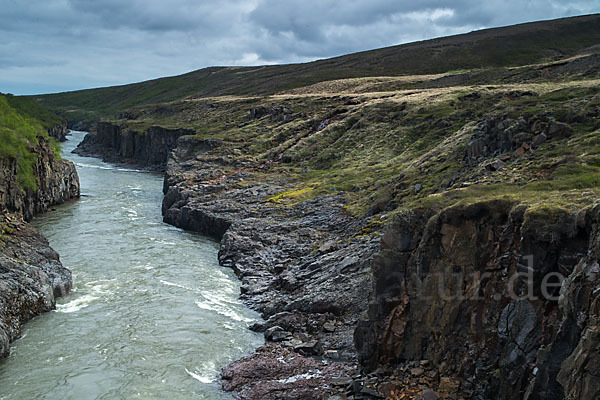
(76, 304)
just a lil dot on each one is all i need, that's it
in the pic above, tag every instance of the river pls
(151, 316)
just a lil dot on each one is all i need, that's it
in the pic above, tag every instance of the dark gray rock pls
(506, 339)
(428, 395)
(31, 278)
(300, 265)
(312, 348)
(558, 130)
(59, 132)
(276, 334)
(148, 149)
(371, 393)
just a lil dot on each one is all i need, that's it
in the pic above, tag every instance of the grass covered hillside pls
(536, 142)
(489, 49)
(22, 122)
(32, 109)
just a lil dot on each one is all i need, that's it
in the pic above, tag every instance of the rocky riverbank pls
(304, 266)
(31, 275)
(466, 302)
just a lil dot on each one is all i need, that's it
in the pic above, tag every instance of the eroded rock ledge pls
(304, 266)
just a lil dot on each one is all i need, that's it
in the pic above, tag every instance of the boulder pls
(311, 348)
(559, 130)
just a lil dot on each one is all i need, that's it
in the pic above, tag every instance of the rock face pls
(31, 275)
(59, 132)
(475, 290)
(80, 126)
(502, 137)
(149, 149)
(31, 278)
(56, 180)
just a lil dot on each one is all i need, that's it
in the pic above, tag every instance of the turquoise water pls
(152, 315)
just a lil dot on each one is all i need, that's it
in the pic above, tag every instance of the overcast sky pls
(57, 45)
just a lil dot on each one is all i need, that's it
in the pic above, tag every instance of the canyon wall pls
(476, 291)
(495, 299)
(56, 181)
(149, 149)
(31, 275)
(59, 132)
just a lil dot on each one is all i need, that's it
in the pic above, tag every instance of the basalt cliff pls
(148, 150)
(403, 235)
(33, 178)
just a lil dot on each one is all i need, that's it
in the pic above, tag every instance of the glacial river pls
(151, 316)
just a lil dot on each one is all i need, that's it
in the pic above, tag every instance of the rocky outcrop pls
(56, 181)
(149, 149)
(82, 126)
(31, 277)
(59, 132)
(476, 291)
(511, 138)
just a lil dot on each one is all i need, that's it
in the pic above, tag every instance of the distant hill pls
(490, 48)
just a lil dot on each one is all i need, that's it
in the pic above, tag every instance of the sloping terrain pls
(450, 143)
(491, 48)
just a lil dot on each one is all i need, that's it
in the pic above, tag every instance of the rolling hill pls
(516, 45)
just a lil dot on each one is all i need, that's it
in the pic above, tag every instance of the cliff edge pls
(33, 178)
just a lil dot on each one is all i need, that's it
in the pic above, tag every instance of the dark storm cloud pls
(50, 45)
(309, 29)
(173, 15)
